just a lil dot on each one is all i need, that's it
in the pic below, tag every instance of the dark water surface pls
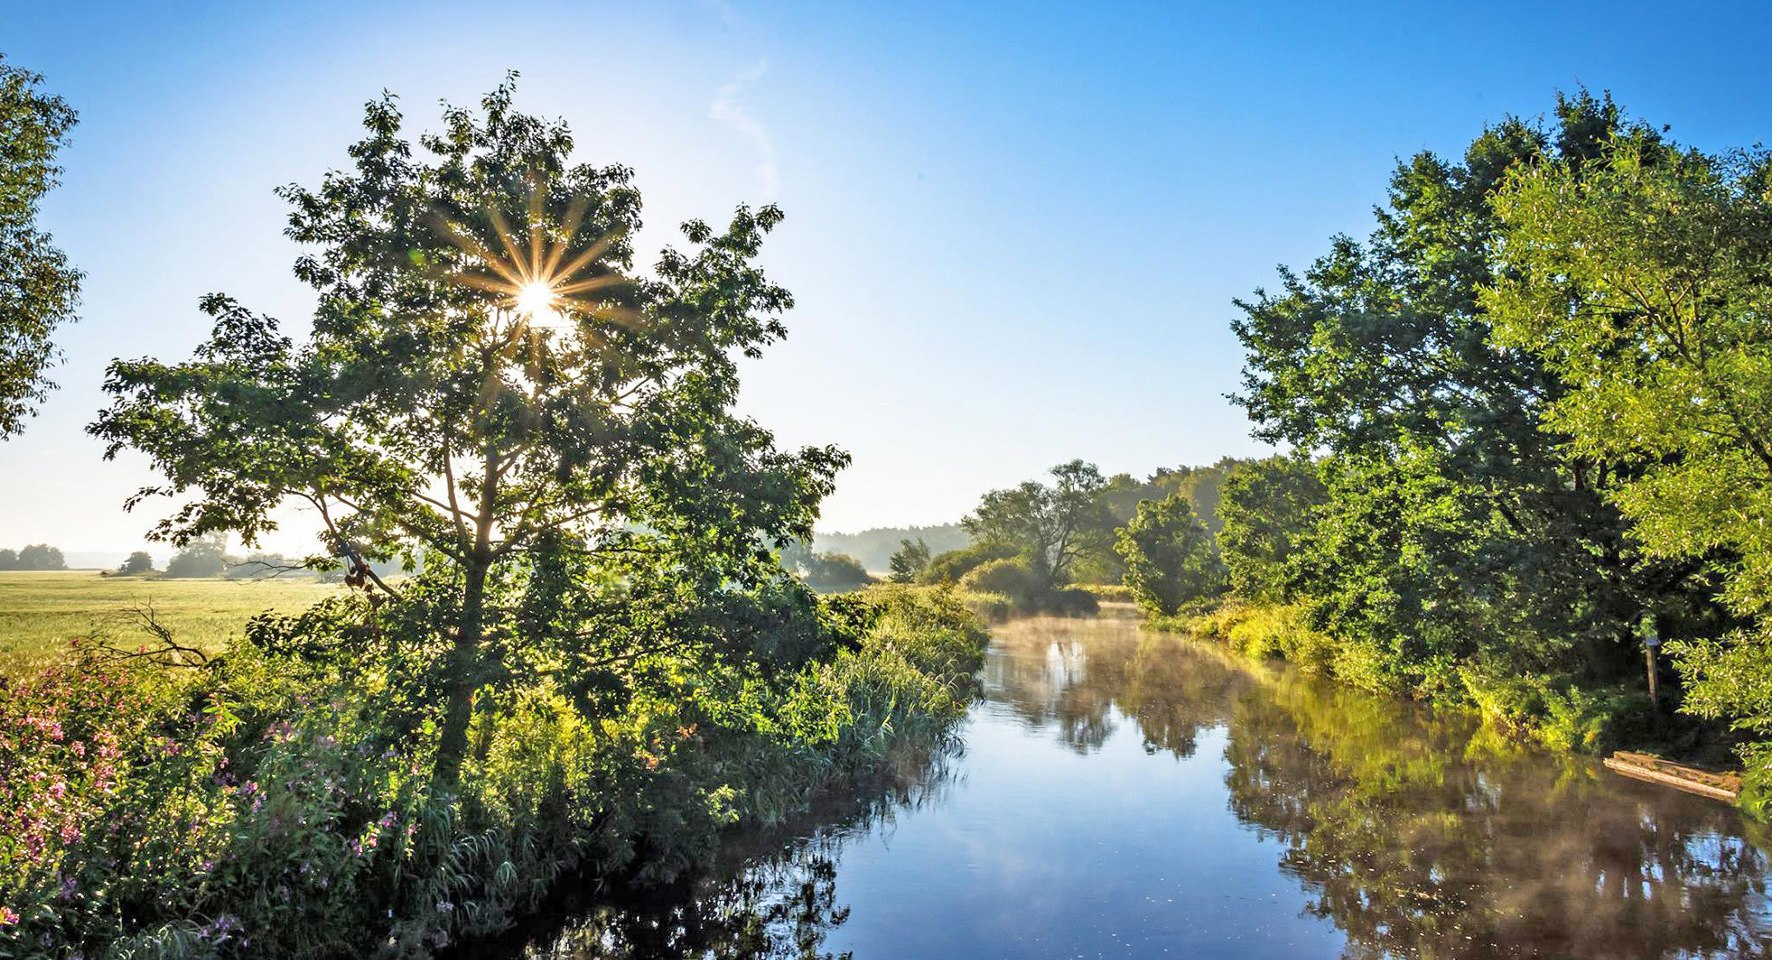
(1129, 794)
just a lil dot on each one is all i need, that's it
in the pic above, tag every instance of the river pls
(1123, 793)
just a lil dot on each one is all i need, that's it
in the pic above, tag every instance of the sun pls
(544, 277)
(535, 300)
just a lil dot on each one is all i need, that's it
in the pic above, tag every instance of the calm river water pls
(1128, 794)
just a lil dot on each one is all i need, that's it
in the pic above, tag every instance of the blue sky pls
(1014, 229)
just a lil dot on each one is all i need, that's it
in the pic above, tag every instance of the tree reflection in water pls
(1418, 834)
(772, 895)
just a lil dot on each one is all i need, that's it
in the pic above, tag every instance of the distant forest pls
(873, 548)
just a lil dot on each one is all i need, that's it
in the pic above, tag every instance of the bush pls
(1557, 711)
(1008, 576)
(1261, 631)
(952, 567)
(1108, 592)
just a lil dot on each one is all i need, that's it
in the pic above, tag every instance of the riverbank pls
(260, 806)
(1558, 713)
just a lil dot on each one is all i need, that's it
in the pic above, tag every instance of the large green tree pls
(1646, 286)
(1048, 525)
(1169, 554)
(1454, 528)
(38, 288)
(489, 383)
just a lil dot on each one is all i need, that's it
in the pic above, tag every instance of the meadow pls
(42, 613)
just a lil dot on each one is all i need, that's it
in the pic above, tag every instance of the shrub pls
(1557, 711)
(1259, 631)
(1108, 592)
(1008, 576)
(952, 566)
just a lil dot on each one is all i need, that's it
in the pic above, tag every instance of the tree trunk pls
(463, 679)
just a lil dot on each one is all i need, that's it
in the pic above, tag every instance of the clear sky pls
(1014, 229)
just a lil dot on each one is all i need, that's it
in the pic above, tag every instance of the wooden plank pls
(1641, 766)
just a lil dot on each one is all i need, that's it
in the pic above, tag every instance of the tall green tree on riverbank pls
(1170, 557)
(1048, 525)
(38, 288)
(490, 385)
(1646, 286)
(1455, 532)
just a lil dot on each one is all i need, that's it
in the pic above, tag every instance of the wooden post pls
(1654, 695)
(1651, 642)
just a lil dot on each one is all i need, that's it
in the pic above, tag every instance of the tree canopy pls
(1170, 557)
(38, 287)
(490, 385)
(1049, 525)
(1455, 527)
(1645, 285)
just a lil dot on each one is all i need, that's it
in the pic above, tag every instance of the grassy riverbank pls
(1558, 712)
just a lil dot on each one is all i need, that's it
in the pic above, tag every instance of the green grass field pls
(40, 613)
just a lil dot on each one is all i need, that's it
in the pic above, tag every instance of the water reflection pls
(1141, 795)
(772, 895)
(1416, 833)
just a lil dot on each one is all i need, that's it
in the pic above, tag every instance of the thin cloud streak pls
(727, 110)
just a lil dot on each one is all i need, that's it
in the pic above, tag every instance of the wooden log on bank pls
(1706, 783)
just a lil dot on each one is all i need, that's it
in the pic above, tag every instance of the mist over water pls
(1130, 794)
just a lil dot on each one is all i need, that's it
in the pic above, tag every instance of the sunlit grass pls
(41, 613)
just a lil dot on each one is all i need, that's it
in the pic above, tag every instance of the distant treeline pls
(874, 548)
(37, 556)
(1120, 494)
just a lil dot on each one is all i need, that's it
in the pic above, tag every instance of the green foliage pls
(1641, 283)
(531, 455)
(36, 556)
(277, 803)
(1170, 557)
(1260, 631)
(1199, 485)
(952, 567)
(1456, 525)
(1109, 592)
(41, 289)
(909, 562)
(1050, 525)
(1267, 507)
(203, 557)
(138, 564)
(875, 547)
(825, 572)
(598, 661)
(1012, 577)
(1558, 711)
